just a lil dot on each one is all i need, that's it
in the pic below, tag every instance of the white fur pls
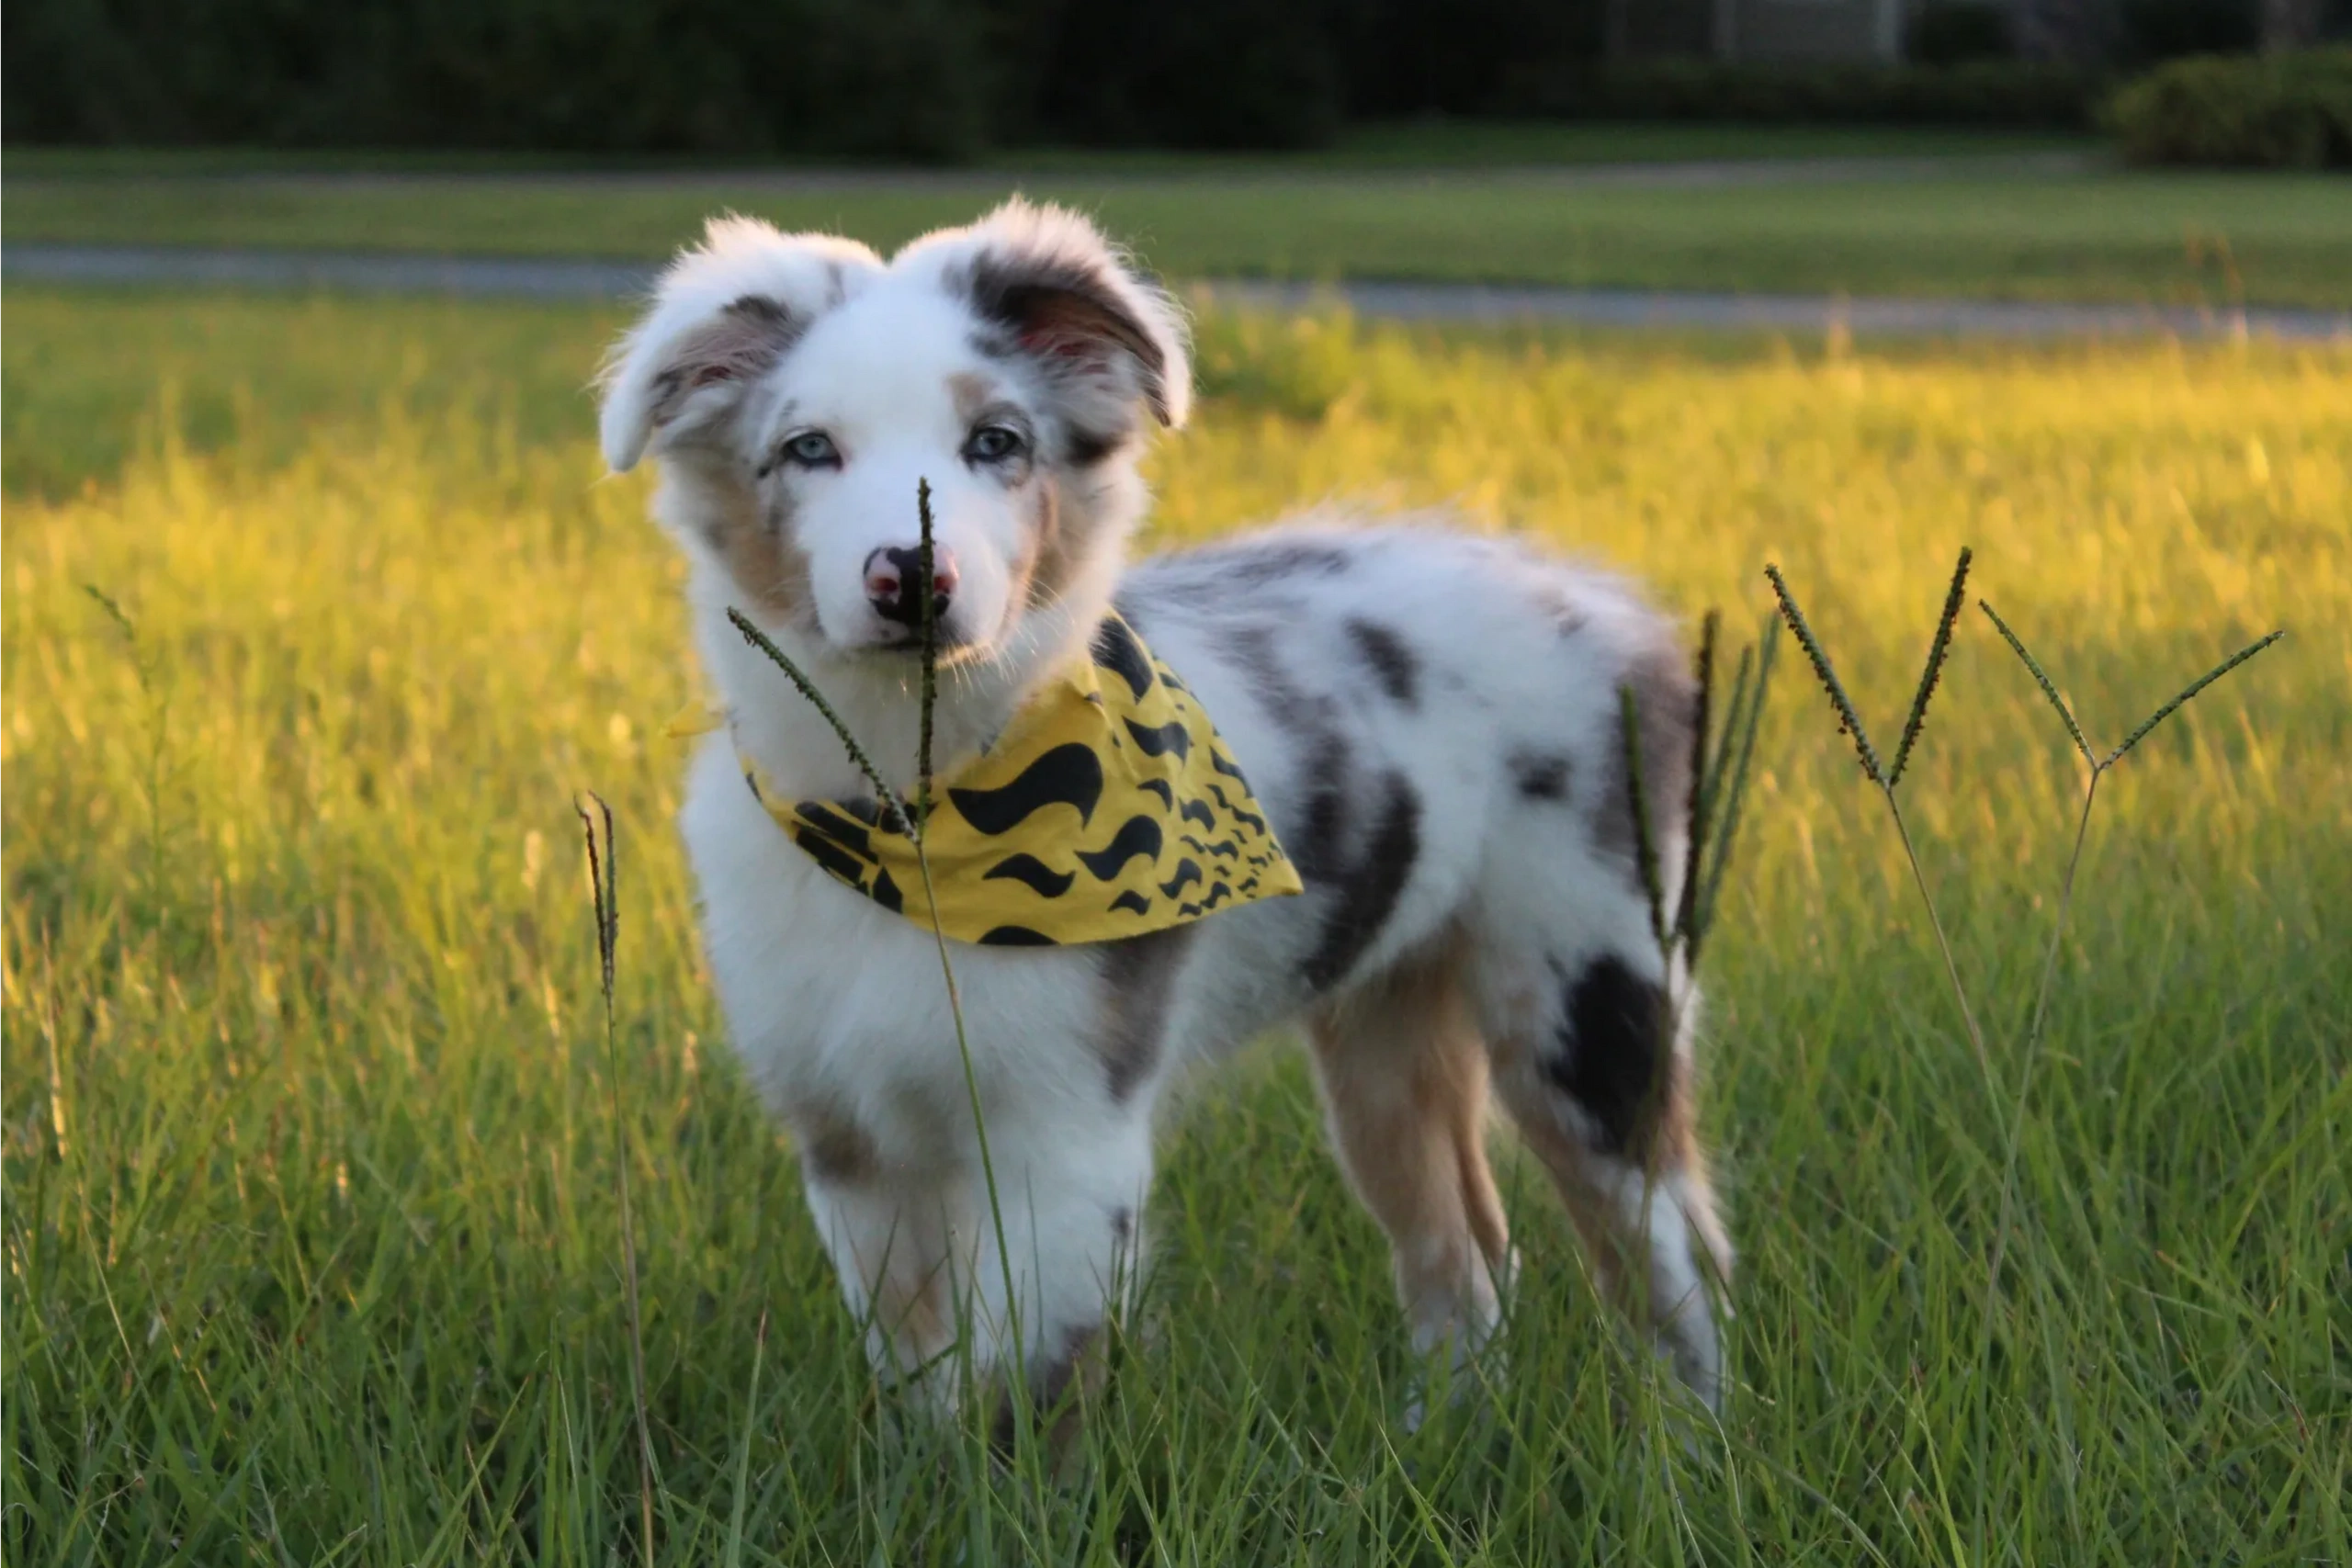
(838, 1008)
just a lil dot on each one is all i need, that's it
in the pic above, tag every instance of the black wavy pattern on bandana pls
(1136, 836)
(1068, 774)
(1169, 736)
(1116, 649)
(1132, 901)
(831, 856)
(1247, 818)
(1160, 787)
(1196, 811)
(1017, 936)
(851, 835)
(1032, 874)
(1187, 871)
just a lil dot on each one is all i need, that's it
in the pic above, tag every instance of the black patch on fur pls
(1033, 873)
(1610, 1049)
(1366, 894)
(1540, 775)
(1315, 846)
(1398, 666)
(1136, 836)
(1085, 448)
(1123, 1225)
(1069, 774)
(1259, 565)
(1033, 295)
(1016, 936)
(1138, 976)
(761, 308)
(1115, 649)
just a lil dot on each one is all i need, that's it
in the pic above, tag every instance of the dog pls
(1428, 720)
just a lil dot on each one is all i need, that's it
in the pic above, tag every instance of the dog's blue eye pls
(812, 449)
(992, 443)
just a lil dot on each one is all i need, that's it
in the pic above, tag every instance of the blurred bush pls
(1949, 34)
(927, 79)
(2273, 111)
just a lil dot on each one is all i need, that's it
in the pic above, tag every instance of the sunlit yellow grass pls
(302, 1067)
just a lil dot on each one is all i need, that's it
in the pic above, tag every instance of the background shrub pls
(1985, 91)
(1954, 34)
(2274, 111)
(933, 79)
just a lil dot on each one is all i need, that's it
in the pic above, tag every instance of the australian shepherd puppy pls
(1430, 719)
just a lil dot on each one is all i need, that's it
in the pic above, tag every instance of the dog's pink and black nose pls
(891, 583)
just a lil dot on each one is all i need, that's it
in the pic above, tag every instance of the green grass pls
(2160, 238)
(1436, 144)
(311, 1232)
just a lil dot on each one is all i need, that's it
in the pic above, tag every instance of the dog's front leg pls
(923, 1266)
(1071, 1197)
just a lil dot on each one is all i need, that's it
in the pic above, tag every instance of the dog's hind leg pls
(1403, 1075)
(1604, 1098)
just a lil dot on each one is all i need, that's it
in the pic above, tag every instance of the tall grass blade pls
(1645, 837)
(1936, 650)
(925, 555)
(1849, 721)
(1695, 837)
(734, 1556)
(2165, 712)
(2042, 678)
(603, 870)
(1739, 730)
(1711, 784)
(891, 805)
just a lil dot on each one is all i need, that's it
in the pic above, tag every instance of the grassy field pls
(2139, 238)
(312, 1240)
(1395, 144)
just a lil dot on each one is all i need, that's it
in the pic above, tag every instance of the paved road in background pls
(518, 277)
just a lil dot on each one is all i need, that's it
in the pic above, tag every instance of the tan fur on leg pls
(1404, 1079)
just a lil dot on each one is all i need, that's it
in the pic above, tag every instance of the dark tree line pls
(921, 78)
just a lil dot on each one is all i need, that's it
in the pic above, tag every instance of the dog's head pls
(798, 388)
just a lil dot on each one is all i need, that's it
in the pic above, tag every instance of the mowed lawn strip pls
(311, 1228)
(1444, 144)
(2138, 238)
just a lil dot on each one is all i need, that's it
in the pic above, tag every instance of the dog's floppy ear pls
(1048, 277)
(723, 314)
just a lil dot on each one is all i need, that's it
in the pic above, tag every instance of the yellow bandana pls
(1108, 807)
